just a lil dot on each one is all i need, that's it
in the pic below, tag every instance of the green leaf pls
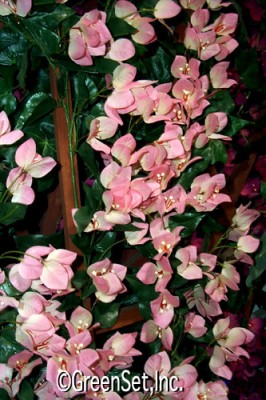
(104, 65)
(106, 314)
(119, 27)
(235, 125)
(221, 100)
(249, 71)
(218, 151)
(8, 101)
(259, 266)
(25, 242)
(12, 212)
(69, 302)
(42, 37)
(159, 66)
(9, 315)
(25, 391)
(87, 154)
(106, 241)
(8, 347)
(83, 217)
(190, 174)
(38, 105)
(4, 395)
(145, 310)
(80, 279)
(263, 189)
(144, 292)
(9, 289)
(52, 19)
(189, 220)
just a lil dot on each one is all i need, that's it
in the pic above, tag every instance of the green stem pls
(72, 141)
(109, 248)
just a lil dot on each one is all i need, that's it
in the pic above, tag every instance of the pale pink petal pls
(248, 244)
(121, 50)
(166, 9)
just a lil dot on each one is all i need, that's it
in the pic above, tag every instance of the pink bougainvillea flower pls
(188, 268)
(19, 183)
(2, 276)
(158, 362)
(183, 68)
(217, 390)
(214, 123)
(32, 162)
(123, 148)
(119, 349)
(166, 9)
(192, 4)
(138, 236)
(150, 332)
(107, 278)
(20, 362)
(53, 271)
(227, 45)
(6, 135)
(199, 19)
(163, 239)
(216, 4)
(196, 297)
(218, 76)
(145, 32)
(229, 341)
(194, 324)
(7, 301)
(20, 7)
(217, 286)
(162, 308)
(242, 220)
(121, 50)
(172, 199)
(98, 222)
(61, 362)
(246, 244)
(225, 24)
(204, 43)
(32, 303)
(88, 38)
(101, 128)
(80, 321)
(161, 272)
(204, 195)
